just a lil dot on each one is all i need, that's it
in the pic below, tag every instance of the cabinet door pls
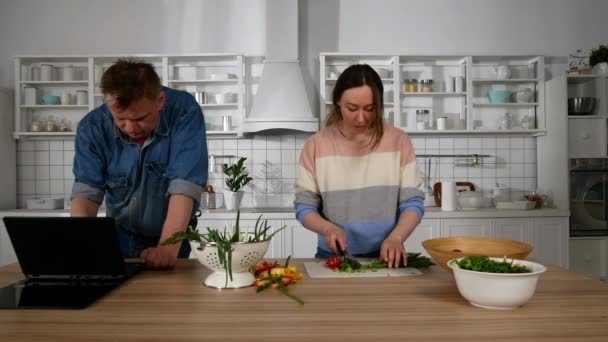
(466, 227)
(519, 229)
(587, 137)
(589, 255)
(550, 240)
(7, 254)
(302, 243)
(427, 229)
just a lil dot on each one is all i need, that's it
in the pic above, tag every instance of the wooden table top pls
(175, 306)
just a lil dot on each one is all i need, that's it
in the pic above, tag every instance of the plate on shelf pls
(516, 205)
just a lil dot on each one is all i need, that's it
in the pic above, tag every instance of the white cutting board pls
(320, 270)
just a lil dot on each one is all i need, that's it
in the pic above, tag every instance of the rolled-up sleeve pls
(88, 169)
(187, 169)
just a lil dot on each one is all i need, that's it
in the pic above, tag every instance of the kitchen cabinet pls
(519, 229)
(459, 91)
(427, 229)
(550, 240)
(300, 242)
(589, 255)
(466, 227)
(588, 134)
(216, 81)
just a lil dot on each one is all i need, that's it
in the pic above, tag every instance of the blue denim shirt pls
(137, 180)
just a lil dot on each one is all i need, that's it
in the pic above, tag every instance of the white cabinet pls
(589, 255)
(51, 94)
(7, 253)
(459, 91)
(498, 87)
(216, 81)
(516, 228)
(427, 229)
(466, 227)
(303, 242)
(59, 98)
(550, 240)
(588, 134)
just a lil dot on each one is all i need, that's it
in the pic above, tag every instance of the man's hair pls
(129, 80)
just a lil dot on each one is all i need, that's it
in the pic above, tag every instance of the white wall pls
(134, 26)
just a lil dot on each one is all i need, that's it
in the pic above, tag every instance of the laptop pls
(68, 262)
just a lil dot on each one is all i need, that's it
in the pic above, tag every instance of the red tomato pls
(333, 262)
(456, 250)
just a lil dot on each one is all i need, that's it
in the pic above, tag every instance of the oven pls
(588, 202)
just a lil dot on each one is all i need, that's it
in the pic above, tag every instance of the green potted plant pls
(598, 59)
(229, 253)
(236, 178)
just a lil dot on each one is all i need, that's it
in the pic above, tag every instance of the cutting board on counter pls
(319, 270)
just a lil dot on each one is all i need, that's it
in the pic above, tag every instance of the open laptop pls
(68, 262)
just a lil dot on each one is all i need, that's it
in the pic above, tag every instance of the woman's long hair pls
(355, 76)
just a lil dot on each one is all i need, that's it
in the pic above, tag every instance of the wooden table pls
(175, 306)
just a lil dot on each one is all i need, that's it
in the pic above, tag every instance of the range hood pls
(281, 101)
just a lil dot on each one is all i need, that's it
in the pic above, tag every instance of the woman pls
(358, 182)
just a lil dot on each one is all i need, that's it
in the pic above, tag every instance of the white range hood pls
(281, 101)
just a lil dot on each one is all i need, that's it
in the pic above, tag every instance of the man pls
(145, 150)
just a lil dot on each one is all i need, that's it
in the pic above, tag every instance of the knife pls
(348, 257)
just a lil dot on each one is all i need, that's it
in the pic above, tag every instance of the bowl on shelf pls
(498, 290)
(444, 249)
(51, 100)
(581, 105)
(500, 96)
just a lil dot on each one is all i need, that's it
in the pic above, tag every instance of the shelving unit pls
(205, 73)
(467, 111)
(587, 134)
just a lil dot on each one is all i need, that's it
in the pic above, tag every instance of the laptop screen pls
(66, 247)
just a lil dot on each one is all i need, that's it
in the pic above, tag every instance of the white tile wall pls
(45, 167)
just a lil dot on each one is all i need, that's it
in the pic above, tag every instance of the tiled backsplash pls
(45, 166)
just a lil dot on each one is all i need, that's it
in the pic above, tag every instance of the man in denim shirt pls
(144, 150)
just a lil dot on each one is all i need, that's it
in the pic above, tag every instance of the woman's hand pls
(335, 235)
(392, 252)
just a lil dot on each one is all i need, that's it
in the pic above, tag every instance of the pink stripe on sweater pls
(330, 142)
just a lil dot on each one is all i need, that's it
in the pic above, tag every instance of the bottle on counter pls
(208, 198)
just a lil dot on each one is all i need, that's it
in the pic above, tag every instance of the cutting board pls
(319, 270)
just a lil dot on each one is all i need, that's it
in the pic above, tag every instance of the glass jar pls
(410, 85)
(427, 86)
(51, 124)
(422, 119)
(36, 125)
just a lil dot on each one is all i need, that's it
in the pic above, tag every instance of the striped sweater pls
(363, 191)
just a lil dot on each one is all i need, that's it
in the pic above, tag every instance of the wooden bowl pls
(442, 250)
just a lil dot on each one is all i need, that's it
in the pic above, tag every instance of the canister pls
(442, 123)
(29, 96)
(422, 118)
(410, 85)
(226, 123)
(46, 72)
(427, 85)
(81, 97)
(459, 84)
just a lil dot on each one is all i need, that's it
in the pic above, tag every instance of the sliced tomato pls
(456, 250)
(333, 262)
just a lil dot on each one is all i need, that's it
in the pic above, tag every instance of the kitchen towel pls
(448, 196)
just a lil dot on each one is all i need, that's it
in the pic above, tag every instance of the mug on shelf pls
(81, 97)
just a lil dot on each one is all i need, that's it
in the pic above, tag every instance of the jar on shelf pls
(427, 85)
(422, 119)
(36, 125)
(410, 85)
(51, 124)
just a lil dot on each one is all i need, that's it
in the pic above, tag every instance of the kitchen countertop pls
(174, 305)
(288, 213)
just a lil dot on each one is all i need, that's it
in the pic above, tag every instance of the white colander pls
(244, 256)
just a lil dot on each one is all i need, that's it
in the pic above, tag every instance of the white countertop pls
(288, 213)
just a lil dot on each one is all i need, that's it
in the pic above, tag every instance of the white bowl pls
(244, 256)
(498, 290)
